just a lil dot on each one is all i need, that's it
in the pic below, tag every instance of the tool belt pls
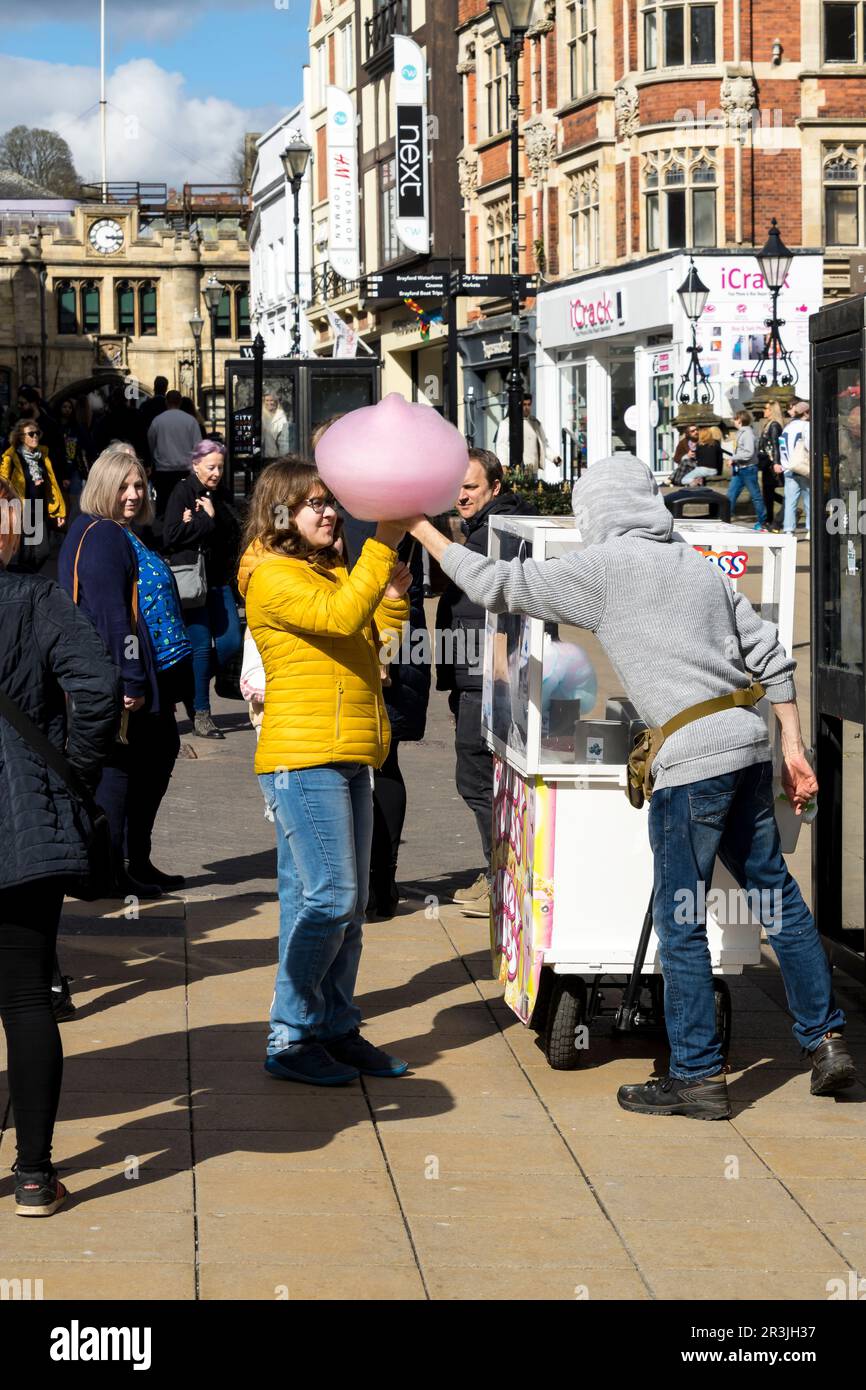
(647, 744)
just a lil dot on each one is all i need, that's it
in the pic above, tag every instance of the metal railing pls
(326, 285)
(150, 197)
(387, 20)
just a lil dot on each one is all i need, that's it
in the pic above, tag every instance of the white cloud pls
(156, 131)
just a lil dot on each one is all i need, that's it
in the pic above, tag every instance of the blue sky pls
(195, 74)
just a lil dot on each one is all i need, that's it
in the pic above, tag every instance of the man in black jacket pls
(480, 497)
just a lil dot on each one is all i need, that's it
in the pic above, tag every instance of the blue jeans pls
(215, 633)
(747, 476)
(730, 817)
(796, 489)
(698, 474)
(324, 825)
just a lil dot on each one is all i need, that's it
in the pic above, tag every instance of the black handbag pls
(101, 878)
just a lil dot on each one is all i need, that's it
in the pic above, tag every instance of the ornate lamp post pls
(213, 293)
(512, 19)
(695, 394)
(196, 324)
(295, 158)
(775, 371)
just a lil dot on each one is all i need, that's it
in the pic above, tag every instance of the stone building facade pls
(100, 293)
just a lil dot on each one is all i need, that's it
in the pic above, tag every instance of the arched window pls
(224, 315)
(584, 219)
(67, 307)
(90, 315)
(680, 191)
(243, 305)
(125, 297)
(147, 308)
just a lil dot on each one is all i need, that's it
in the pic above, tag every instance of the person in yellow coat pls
(318, 629)
(28, 469)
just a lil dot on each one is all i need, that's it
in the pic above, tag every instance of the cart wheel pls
(722, 1000)
(542, 1000)
(566, 1013)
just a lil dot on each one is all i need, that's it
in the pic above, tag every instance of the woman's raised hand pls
(401, 580)
(206, 505)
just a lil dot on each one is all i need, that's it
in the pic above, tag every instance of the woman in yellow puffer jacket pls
(324, 730)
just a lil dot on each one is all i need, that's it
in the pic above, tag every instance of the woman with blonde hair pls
(324, 730)
(27, 468)
(130, 596)
(769, 456)
(57, 686)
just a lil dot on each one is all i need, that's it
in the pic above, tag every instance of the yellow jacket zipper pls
(339, 714)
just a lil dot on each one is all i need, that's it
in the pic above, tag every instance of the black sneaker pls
(147, 873)
(129, 887)
(357, 1052)
(668, 1095)
(310, 1062)
(38, 1192)
(832, 1066)
(61, 1000)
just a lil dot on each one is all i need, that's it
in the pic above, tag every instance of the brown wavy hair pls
(279, 491)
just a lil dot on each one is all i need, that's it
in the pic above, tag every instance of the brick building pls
(651, 129)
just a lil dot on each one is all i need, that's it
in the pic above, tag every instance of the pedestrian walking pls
(201, 532)
(58, 674)
(119, 423)
(28, 468)
(696, 639)
(794, 450)
(536, 450)
(460, 624)
(325, 728)
(74, 466)
(171, 438)
(769, 458)
(744, 469)
(129, 594)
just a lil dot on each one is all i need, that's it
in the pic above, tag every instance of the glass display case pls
(552, 703)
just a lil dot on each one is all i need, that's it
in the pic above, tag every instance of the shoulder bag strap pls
(75, 572)
(41, 744)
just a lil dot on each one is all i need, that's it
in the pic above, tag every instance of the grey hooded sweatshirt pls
(671, 624)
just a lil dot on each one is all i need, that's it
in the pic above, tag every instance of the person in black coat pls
(769, 455)
(200, 519)
(460, 625)
(406, 691)
(53, 664)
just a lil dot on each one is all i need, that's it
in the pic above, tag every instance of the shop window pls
(67, 312)
(584, 220)
(581, 42)
(147, 308)
(389, 243)
(498, 236)
(844, 33)
(680, 200)
(843, 196)
(125, 298)
(686, 34)
(496, 89)
(223, 322)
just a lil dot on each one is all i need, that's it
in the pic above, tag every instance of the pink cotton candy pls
(393, 460)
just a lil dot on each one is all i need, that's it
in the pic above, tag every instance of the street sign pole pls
(453, 292)
(515, 385)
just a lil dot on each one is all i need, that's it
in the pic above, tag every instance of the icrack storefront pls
(611, 349)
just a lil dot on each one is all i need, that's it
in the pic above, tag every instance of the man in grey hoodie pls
(678, 634)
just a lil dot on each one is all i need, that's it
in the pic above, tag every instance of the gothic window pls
(843, 196)
(584, 219)
(680, 199)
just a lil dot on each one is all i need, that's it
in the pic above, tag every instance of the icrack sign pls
(596, 311)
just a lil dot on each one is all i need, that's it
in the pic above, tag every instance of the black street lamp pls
(213, 293)
(295, 158)
(775, 369)
(196, 324)
(695, 394)
(512, 19)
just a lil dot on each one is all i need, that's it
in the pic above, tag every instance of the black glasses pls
(31, 434)
(319, 504)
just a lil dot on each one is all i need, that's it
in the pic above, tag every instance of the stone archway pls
(103, 382)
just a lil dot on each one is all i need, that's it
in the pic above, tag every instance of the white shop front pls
(611, 353)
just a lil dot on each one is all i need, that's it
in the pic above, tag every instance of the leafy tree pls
(40, 155)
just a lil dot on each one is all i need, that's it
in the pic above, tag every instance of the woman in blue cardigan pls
(130, 596)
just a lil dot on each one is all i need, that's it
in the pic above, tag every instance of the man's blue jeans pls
(215, 633)
(324, 824)
(730, 817)
(747, 476)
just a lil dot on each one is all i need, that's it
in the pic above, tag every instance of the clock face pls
(106, 236)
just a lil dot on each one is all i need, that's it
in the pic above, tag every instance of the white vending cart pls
(572, 866)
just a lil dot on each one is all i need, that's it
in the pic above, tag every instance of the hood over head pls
(619, 497)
